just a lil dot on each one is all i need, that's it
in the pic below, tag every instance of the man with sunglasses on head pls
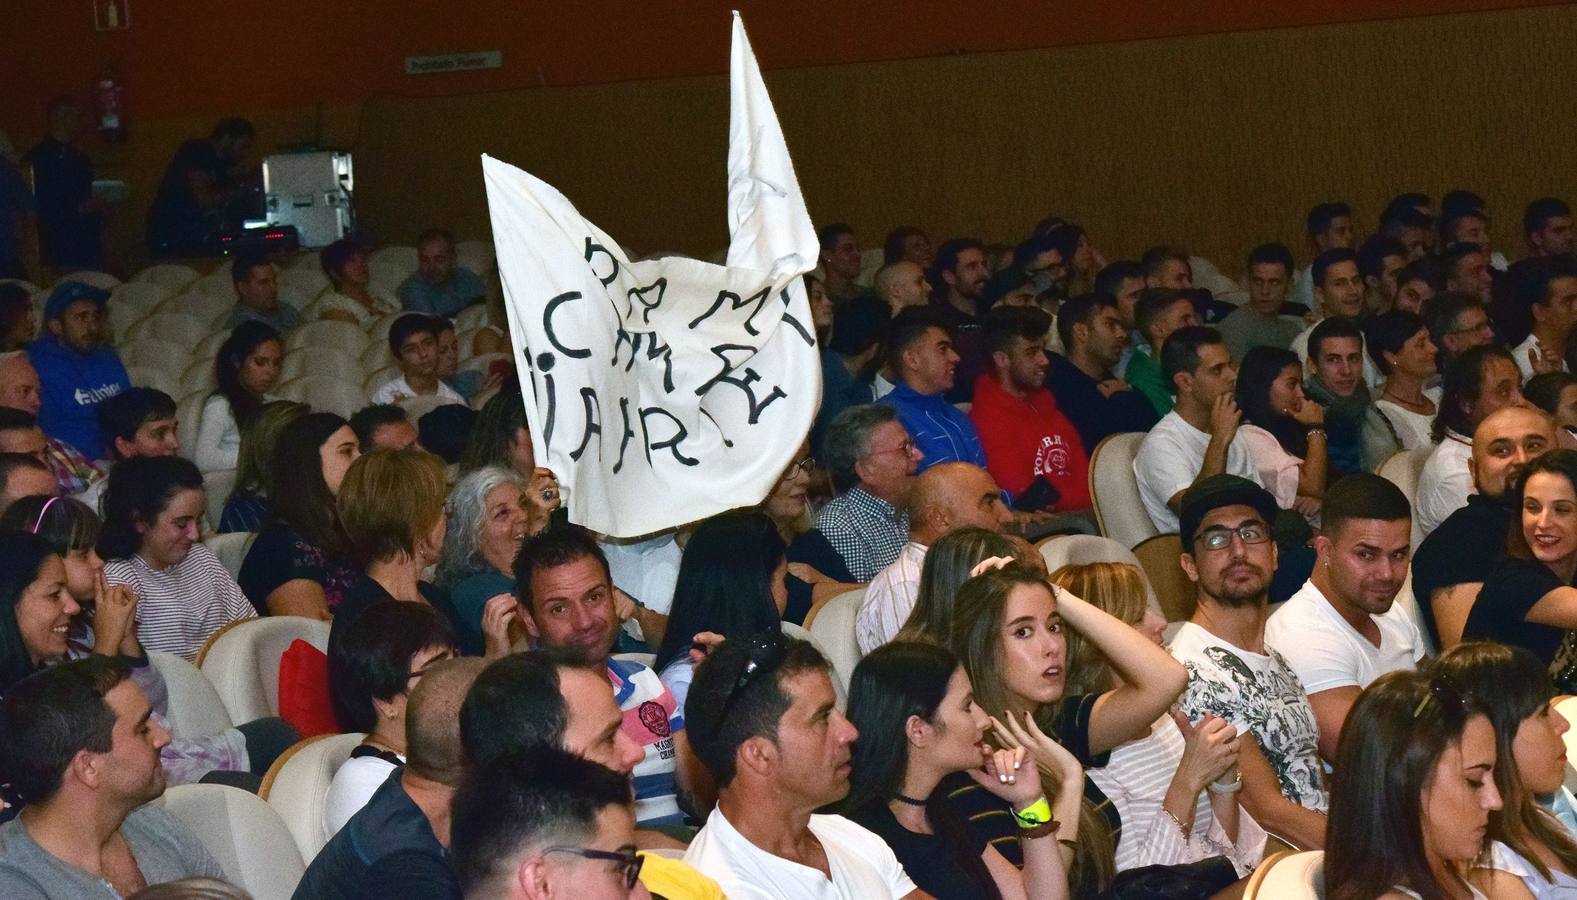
(568, 604)
(1232, 674)
(765, 722)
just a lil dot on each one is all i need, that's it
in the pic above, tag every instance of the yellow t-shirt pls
(677, 880)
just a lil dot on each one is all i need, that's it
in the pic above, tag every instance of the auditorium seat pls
(199, 376)
(245, 835)
(205, 308)
(158, 379)
(22, 283)
(388, 266)
(1288, 875)
(297, 787)
(346, 336)
(376, 356)
(378, 331)
(324, 393)
(101, 280)
(217, 485)
(379, 378)
(188, 416)
(208, 348)
(194, 709)
(144, 295)
(305, 282)
(832, 626)
(167, 356)
(172, 276)
(1402, 469)
(1083, 549)
(477, 256)
(179, 328)
(1115, 492)
(242, 660)
(474, 316)
(330, 361)
(795, 631)
(483, 362)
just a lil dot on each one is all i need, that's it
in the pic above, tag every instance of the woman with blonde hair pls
(248, 508)
(947, 566)
(1175, 785)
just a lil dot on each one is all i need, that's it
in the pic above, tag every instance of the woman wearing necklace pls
(920, 731)
(1404, 413)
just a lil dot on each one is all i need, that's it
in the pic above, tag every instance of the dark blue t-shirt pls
(387, 849)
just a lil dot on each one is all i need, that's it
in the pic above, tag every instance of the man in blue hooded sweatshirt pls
(76, 368)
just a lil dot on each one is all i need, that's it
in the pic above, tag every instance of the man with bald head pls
(902, 285)
(398, 844)
(946, 497)
(19, 390)
(1450, 565)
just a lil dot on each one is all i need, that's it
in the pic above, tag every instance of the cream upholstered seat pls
(1115, 491)
(345, 336)
(188, 416)
(101, 280)
(330, 361)
(177, 328)
(208, 348)
(158, 379)
(154, 353)
(172, 276)
(231, 546)
(388, 266)
(1082, 549)
(838, 687)
(379, 378)
(378, 331)
(483, 362)
(376, 356)
(242, 661)
(218, 484)
(205, 308)
(325, 393)
(199, 376)
(194, 708)
(832, 627)
(143, 295)
(297, 787)
(1402, 469)
(416, 407)
(1288, 875)
(244, 834)
(474, 255)
(474, 316)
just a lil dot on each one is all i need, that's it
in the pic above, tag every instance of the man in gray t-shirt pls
(82, 751)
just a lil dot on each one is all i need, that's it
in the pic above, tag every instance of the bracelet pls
(1185, 829)
(1034, 815)
(1228, 787)
(1315, 430)
(1044, 829)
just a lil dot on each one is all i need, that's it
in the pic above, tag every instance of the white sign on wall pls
(454, 62)
(663, 391)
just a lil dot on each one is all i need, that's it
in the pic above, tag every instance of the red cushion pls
(304, 690)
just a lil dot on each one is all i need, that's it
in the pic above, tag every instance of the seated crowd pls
(1007, 731)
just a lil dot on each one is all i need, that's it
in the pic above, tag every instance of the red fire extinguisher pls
(109, 103)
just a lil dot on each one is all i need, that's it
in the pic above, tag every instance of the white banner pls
(664, 391)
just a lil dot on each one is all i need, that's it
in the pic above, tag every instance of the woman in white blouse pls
(1403, 415)
(350, 296)
(1283, 429)
(246, 369)
(1175, 786)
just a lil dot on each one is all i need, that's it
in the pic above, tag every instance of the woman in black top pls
(1528, 600)
(918, 722)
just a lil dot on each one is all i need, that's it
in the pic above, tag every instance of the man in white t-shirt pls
(1199, 437)
(764, 721)
(1343, 630)
(413, 339)
(1232, 674)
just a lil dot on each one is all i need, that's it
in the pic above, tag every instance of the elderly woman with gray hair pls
(491, 512)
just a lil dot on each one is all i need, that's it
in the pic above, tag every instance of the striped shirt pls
(865, 530)
(889, 599)
(179, 608)
(651, 719)
(1136, 780)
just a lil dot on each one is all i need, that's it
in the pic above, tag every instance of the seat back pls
(153, 353)
(194, 709)
(416, 407)
(199, 376)
(188, 416)
(346, 336)
(205, 308)
(1115, 491)
(231, 549)
(144, 295)
(158, 379)
(833, 629)
(1082, 549)
(325, 393)
(173, 277)
(244, 834)
(388, 266)
(838, 687)
(1288, 875)
(1402, 469)
(471, 317)
(316, 360)
(217, 485)
(177, 328)
(1159, 556)
(242, 661)
(297, 786)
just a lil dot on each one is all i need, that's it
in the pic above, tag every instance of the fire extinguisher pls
(109, 103)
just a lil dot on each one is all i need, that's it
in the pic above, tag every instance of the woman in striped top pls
(1174, 787)
(151, 513)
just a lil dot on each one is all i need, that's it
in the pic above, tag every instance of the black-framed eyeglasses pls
(1221, 538)
(629, 863)
(766, 652)
(1443, 692)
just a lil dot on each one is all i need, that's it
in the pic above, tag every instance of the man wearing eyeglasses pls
(396, 845)
(873, 462)
(1342, 630)
(1458, 322)
(767, 726)
(1232, 674)
(567, 604)
(544, 824)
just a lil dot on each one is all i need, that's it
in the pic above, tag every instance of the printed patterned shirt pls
(651, 717)
(865, 530)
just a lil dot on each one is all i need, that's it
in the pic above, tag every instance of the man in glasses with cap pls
(76, 367)
(1232, 674)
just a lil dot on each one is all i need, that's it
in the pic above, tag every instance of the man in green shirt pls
(1159, 312)
(1259, 322)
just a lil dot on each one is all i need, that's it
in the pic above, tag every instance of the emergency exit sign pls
(454, 62)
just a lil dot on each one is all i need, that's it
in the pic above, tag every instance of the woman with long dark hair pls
(920, 732)
(1412, 794)
(1282, 429)
(1528, 599)
(300, 564)
(246, 368)
(1515, 691)
(730, 583)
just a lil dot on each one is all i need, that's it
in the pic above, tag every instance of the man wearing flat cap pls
(77, 368)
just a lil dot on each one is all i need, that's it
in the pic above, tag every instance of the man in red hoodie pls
(1032, 450)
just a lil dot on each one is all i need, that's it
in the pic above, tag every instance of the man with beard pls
(1341, 631)
(1090, 394)
(567, 602)
(768, 728)
(849, 361)
(1450, 565)
(1232, 674)
(1032, 450)
(199, 183)
(958, 282)
(82, 747)
(1547, 225)
(1477, 383)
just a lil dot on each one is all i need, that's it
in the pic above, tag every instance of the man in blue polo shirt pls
(77, 369)
(920, 352)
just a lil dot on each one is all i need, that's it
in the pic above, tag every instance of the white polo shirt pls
(863, 866)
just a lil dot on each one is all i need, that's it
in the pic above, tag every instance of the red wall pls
(185, 57)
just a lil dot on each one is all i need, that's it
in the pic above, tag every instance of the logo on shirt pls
(654, 717)
(1051, 457)
(90, 396)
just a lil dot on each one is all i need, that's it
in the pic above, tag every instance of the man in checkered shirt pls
(873, 461)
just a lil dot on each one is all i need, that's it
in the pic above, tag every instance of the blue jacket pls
(72, 385)
(941, 431)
